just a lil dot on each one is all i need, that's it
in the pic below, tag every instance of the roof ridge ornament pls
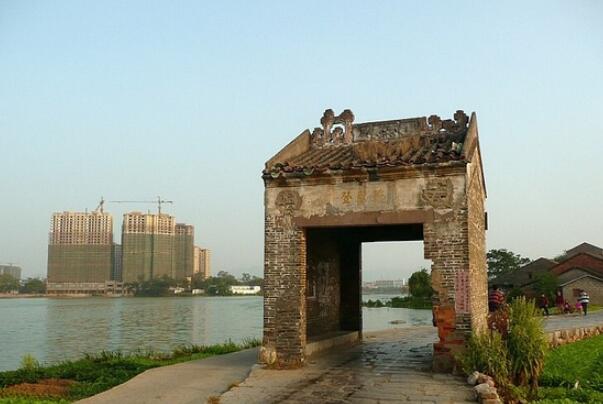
(334, 135)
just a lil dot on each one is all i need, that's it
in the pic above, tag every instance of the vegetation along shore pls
(94, 373)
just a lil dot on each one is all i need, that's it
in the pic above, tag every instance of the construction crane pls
(159, 201)
(100, 205)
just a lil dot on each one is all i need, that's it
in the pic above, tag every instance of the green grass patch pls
(95, 373)
(574, 372)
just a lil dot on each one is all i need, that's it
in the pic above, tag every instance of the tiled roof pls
(526, 274)
(405, 142)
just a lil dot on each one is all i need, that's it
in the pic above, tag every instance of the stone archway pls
(329, 190)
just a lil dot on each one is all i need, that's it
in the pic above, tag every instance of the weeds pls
(94, 373)
(513, 353)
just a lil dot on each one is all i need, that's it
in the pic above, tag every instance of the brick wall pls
(592, 286)
(284, 285)
(453, 231)
(323, 283)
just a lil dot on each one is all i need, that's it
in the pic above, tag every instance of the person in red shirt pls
(495, 298)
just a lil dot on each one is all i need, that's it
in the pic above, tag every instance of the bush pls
(512, 351)
(29, 363)
(526, 342)
(486, 353)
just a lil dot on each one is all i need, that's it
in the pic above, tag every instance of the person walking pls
(495, 298)
(583, 299)
(559, 302)
(543, 304)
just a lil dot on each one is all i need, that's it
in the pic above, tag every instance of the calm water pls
(57, 329)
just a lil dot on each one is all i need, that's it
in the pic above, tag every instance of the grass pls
(573, 373)
(93, 374)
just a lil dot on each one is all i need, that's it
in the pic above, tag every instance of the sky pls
(187, 100)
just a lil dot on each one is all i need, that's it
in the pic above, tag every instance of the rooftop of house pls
(526, 274)
(341, 144)
(585, 248)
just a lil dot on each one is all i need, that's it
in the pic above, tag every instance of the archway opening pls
(386, 270)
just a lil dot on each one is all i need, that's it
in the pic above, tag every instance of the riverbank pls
(93, 374)
(403, 302)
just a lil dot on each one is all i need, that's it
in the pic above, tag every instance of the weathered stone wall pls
(284, 284)
(453, 240)
(478, 268)
(446, 245)
(323, 283)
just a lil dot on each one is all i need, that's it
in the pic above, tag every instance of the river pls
(53, 329)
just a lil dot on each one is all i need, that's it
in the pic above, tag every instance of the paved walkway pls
(184, 383)
(562, 322)
(388, 366)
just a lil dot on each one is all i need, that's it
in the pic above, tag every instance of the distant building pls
(11, 270)
(80, 250)
(153, 245)
(580, 268)
(245, 290)
(183, 251)
(117, 267)
(202, 262)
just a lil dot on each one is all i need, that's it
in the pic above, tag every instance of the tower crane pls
(158, 201)
(100, 205)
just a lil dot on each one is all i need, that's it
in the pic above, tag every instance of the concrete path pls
(188, 382)
(388, 366)
(562, 322)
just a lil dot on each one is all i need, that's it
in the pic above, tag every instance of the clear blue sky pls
(188, 99)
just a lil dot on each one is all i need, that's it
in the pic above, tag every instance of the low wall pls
(569, 335)
(331, 340)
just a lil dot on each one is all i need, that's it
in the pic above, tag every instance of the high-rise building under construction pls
(153, 245)
(80, 250)
(183, 251)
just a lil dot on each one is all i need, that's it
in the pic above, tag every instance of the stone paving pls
(388, 366)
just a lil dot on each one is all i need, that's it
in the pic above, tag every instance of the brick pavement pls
(388, 366)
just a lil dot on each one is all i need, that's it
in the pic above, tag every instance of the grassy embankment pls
(73, 380)
(573, 373)
(405, 302)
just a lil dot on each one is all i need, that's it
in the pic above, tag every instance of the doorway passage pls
(386, 270)
(334, 274)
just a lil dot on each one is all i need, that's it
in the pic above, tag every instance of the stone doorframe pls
(446, 243)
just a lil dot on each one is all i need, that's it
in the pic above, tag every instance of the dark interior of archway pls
(334, 273)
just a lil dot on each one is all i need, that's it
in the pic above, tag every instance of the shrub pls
(486, 353)
(512, 351)
(29, 363)
(527, 343)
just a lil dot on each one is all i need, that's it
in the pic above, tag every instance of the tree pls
(503, 261)
(8, 283)
(33, 285)
(154, 287)
(546, 284)
(419, 284)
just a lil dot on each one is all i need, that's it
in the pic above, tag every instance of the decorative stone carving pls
(288, 201)
(439, 193)
(338, 135)
(386, 131)
(461, 118)
(435, 122)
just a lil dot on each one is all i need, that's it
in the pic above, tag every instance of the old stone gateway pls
(346, 183)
